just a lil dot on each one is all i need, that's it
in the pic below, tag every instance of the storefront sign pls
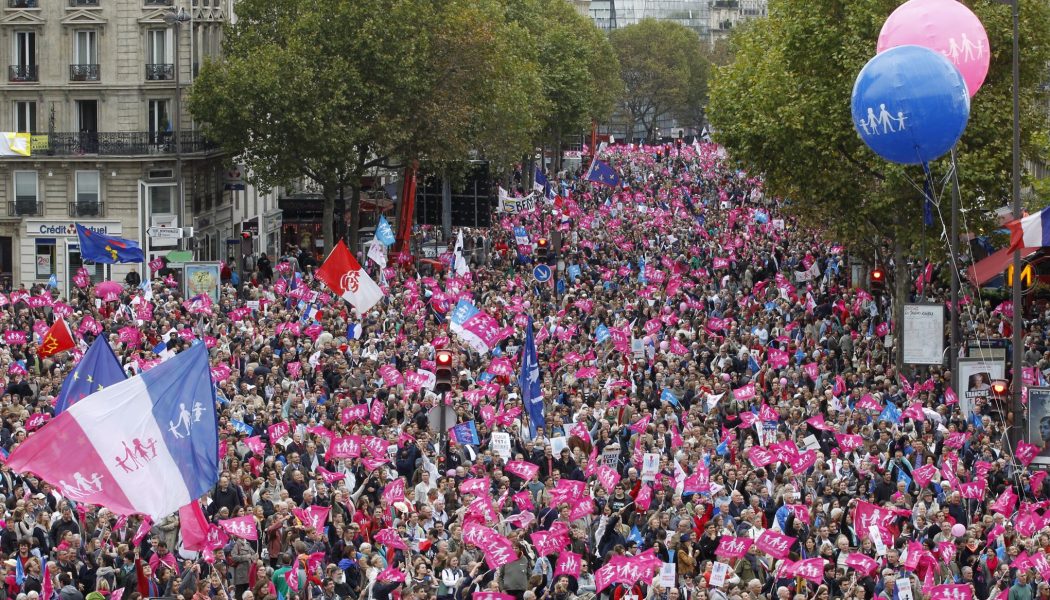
(68, 229)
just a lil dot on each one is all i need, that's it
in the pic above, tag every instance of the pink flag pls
(35, 421)
(291, 577)
(924, 474)
(1026, 452)
(568, 563)
(395, 491)
(812, 370)
(547, 542)
(390, 538)
(973, 490)
(277, 431)
(330, 477)
(255, 444)
(950, 397)
(1004, 504)
(775, 544)
(476, 487)
(811, 569)
(143, 530)
(733, 547)
(849, 442)
(862, 563)
(744, 393)
(868, 402)
(644, 498)
(242, 527)
(193, 526)
(522, 469)
(608, 477)
(951, 592)
(47, 588)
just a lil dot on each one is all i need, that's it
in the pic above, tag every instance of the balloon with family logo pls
(911, 102)
(944, 26)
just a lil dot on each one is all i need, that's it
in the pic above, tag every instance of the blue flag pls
(529, 382)
(891, 413)
(539, 183)
(641, 271)
(601, 172)
(241, 427)
(98, 369)
(574, 273)
(635, 536)
(102, 248)
(521, 236)
(466, 434)
(668, 396)
(20, 574)
(52, 282)
(902, 476)
(486, 377)
(384, 232)
(752, 363)
(602, 335)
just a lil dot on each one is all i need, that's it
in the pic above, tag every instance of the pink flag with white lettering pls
(242, 527)
(862, 563)
(733, 547)
(569, 563)
(775, 544)
(522, 469)
(951, 592)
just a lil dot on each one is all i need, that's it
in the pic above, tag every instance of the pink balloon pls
(664, 345)
(958, 530)
(945, 26)
(726, 377)
(783, 381)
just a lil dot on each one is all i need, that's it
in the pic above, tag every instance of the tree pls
(580, 75)
(328, 91)
(664, 71)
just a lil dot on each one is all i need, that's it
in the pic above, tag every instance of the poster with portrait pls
(1039, 422)
(202, 278)
(974, 382)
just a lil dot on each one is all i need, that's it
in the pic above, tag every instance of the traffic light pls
(542, 249)
(246, 235)
(878, 279)
(443, 372)
(999, 388)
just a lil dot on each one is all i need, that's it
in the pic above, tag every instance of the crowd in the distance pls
(722, 419)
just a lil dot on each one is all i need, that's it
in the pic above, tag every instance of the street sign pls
(542, 273)
(439, 412)
(165, 233)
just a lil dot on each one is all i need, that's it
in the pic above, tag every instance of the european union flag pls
(102, 248)
(384, 232)
(601, 172)
(529, 382)
(98, 369)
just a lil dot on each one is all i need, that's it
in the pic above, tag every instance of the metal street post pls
(176, 18)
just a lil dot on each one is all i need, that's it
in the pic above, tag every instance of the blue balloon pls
(910, 105)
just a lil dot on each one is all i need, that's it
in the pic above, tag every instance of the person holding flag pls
(529, 382)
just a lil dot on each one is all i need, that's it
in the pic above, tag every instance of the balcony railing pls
(24, 207)
(22, 73)
(83, 2)
(84, 73)
(123, 143)
(159, 2)
(23, 3)
(86, 209)
(160, 72)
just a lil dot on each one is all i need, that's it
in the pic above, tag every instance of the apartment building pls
(97, 83)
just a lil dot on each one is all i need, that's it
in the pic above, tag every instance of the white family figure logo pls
(83, 487)
(964, 51)
(884, 120)
(181, 428)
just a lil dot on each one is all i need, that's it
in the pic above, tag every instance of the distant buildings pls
(711, 19)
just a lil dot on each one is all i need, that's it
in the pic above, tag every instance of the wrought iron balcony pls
(23, 3)
(23, 73)
(122, 143)
(160, 72)
(24, 207)
(86, 209)
(84, 73)
(83, 2)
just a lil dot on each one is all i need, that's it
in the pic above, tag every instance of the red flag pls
(58, 339)
(344, 275)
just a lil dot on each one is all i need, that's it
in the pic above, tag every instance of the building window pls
(25, 117)
(45, 257)
(85, 56)
(24, 67)
(26, 197)
(162, 200)
(159, 50)
(159, 122)
(87, 194)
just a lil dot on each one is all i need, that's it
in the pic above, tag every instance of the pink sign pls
(775, 544)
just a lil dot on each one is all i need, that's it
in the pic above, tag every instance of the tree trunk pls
(629, 132)
(328, 218)
(355, 215)
(446, 205)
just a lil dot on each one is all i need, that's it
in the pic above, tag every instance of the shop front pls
(51, 247)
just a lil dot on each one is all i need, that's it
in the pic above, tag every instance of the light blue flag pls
(602, 335)
(384, 232)
(574, 273)
(668, 396)
(52, 282)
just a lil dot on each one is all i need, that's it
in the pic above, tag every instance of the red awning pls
(994, 265)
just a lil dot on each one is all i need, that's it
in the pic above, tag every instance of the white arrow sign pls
(164, 232)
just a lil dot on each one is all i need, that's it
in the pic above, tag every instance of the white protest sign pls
(558, 443)
(501, 444)
(650, 466)
(719, 572)
(667, 575)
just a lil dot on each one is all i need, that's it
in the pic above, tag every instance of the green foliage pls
(782, 108)
(664, 71)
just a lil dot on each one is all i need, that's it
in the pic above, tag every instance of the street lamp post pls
(176, 18)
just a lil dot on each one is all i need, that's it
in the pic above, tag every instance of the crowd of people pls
(722, 418)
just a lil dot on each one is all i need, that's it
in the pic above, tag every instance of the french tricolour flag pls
(1031, 232)
(146, 445)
